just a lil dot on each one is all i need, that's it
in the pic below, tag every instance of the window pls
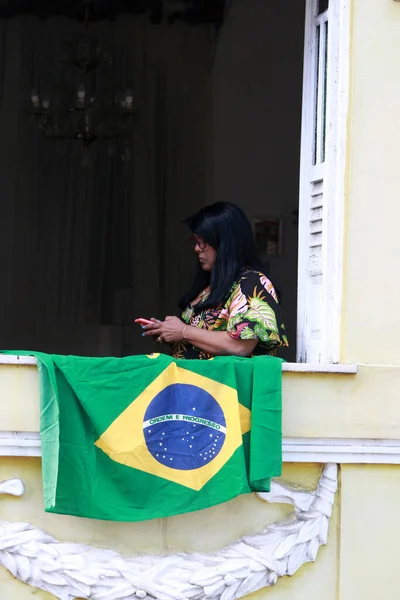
(321, 76)
(76, 263)
(322, 166)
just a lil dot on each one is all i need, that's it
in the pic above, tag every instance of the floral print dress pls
(251, 313)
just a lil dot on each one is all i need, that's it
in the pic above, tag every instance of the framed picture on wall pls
(268, 236)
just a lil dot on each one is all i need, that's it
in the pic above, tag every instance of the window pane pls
(318, 39)
(322, 6)
(325, 84)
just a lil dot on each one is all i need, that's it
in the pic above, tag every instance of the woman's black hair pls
(225, 227)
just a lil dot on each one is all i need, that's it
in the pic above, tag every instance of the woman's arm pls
(218, 342)
(214, 342)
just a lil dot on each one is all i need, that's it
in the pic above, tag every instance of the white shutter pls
(322, 181)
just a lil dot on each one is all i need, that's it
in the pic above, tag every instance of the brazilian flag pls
(144, 437)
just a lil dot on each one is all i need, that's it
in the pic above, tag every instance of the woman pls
(232, 307)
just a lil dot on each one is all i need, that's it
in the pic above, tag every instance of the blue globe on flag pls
(184, 427)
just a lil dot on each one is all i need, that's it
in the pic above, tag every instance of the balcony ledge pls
(344, 369)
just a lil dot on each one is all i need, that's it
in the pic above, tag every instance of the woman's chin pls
(205, 266)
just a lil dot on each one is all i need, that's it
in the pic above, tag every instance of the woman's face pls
(206, 254)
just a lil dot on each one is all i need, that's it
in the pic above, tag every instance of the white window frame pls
(328, 268)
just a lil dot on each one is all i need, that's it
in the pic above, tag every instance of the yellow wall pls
(206, 531)
(369, 533)
(372, 326)
(361, 550)
(315, 405)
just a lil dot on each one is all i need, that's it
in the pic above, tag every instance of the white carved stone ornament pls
(70, 571)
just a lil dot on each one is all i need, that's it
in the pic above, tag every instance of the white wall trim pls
(295, 450)
(337, 113)
(341, 450)
(20, 443)
(343, 369)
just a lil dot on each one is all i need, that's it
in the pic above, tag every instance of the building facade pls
(340, 400)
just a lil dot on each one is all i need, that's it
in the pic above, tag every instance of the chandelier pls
(92, 111)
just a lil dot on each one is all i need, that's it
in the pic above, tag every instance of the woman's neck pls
(201, 297)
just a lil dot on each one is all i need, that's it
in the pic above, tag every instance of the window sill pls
(8, 359)
(11, 359)
(339, 368)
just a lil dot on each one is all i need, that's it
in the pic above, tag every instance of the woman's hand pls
(218, 343)
(169, 331)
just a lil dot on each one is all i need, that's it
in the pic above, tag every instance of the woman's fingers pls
(156, 327)
(156, 331)
(153, 325)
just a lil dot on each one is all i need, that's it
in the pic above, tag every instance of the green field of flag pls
(144, 437)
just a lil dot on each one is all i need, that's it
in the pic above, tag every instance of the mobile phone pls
(143, 321)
